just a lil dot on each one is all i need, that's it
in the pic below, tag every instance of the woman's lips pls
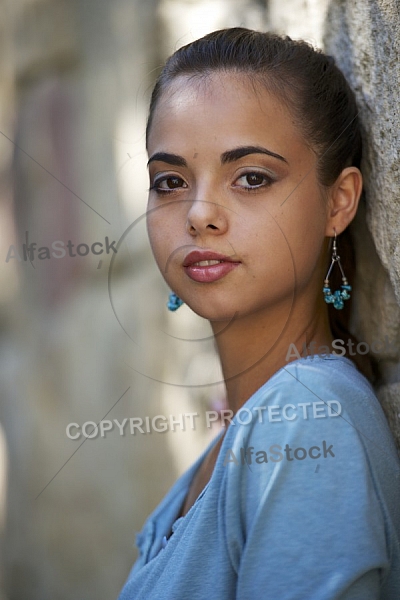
(207, 266)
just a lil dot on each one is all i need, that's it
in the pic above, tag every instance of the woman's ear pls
(344, 196)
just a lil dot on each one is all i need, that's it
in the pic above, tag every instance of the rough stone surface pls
(389, 395)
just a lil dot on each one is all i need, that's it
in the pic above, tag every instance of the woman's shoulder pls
(315, 399)
(320, 375)
(315, 390)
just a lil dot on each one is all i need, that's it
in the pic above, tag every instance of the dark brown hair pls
(311, 86)
(307, 80)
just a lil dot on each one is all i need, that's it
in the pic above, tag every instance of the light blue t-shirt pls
(303, 502)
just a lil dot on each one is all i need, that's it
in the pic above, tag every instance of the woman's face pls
(232, 180)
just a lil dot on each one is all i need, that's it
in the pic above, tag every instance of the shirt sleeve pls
(311, 525)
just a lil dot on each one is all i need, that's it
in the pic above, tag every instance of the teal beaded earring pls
(174, 302)
(338, 297)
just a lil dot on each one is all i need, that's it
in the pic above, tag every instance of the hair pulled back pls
(306, 79)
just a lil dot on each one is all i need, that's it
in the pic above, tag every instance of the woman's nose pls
(206, 216)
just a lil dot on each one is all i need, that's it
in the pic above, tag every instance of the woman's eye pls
(168, 184)
(253, 180)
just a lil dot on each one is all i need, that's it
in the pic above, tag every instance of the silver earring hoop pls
(338, 297)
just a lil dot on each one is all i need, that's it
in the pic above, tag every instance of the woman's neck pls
(254, 347)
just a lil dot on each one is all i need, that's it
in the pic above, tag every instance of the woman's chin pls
(214, 314)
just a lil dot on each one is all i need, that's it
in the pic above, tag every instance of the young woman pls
(254, 151)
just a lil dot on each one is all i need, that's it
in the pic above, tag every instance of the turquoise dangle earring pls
(174, 302)
(338, 297)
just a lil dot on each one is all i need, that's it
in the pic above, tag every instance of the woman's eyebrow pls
(226, 157)
(171, 159)
(241, 151)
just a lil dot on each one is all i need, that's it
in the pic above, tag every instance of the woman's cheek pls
(156, 243)
(164, 251)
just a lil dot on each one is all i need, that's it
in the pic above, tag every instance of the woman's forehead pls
(194, 89)
(221, 105)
